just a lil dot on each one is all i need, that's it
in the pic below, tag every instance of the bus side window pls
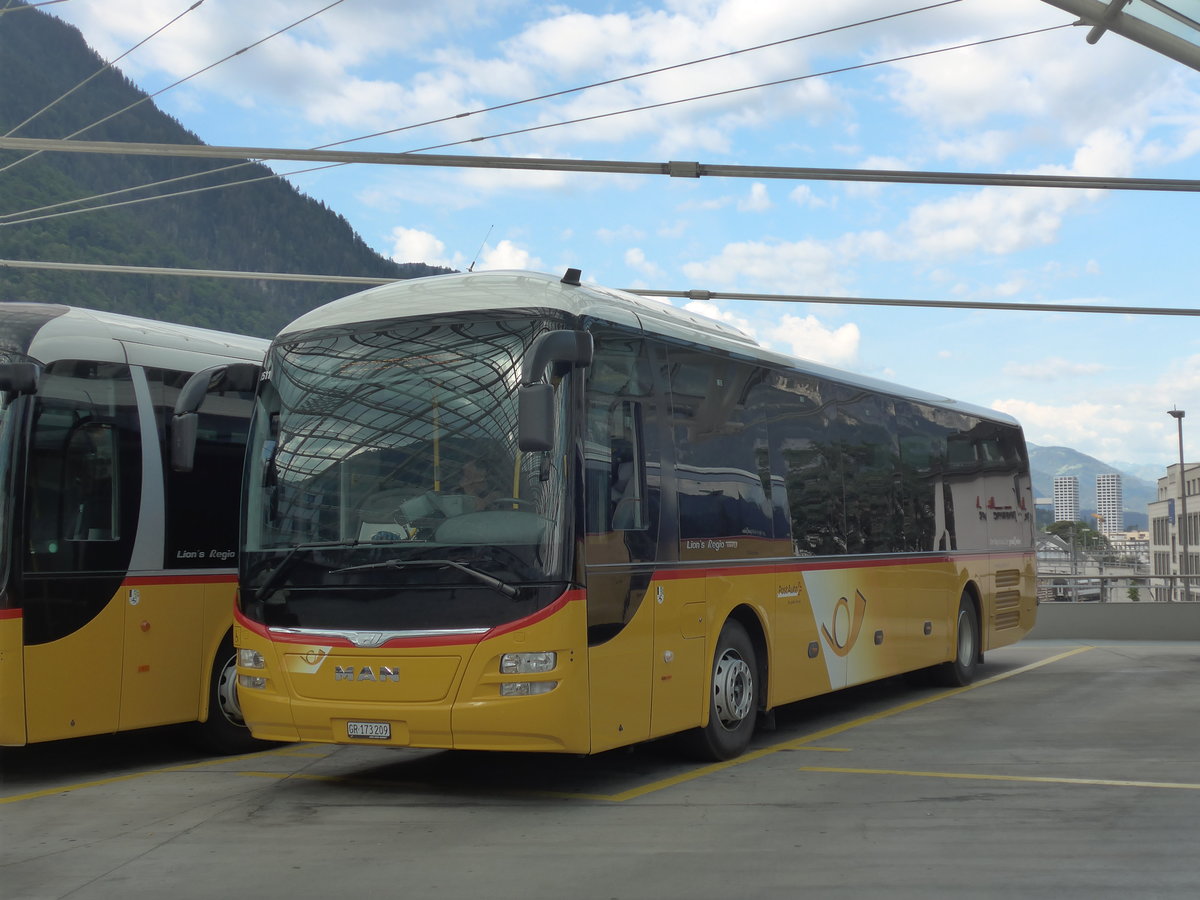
(89, 489)
(628, 477)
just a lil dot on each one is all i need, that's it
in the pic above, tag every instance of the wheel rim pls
(966, 639)
(227, 698)
(733, 689)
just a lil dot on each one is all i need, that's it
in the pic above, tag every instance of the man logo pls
(366, 673)
(847, 624)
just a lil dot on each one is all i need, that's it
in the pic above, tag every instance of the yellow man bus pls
(678, 530)
(117, 574)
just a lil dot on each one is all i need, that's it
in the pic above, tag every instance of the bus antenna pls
(471, 267)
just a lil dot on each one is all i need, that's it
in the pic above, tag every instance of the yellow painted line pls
(117, 779)
(798, 743)
(355, 781)
(967, 776)
(654, 786)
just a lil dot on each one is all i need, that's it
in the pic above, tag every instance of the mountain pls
(1048, 462)
(263, 226)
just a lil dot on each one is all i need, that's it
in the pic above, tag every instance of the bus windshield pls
(384, 460)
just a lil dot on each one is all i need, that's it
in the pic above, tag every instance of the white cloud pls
(800, 267)
(809, 338)
(414, 245)
(803, 195)
(507, 255)
(635, 258)
(758, 200)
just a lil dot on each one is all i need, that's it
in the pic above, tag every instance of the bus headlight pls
(252, 681)
(526, 688)
(528, 663)
(251, 659)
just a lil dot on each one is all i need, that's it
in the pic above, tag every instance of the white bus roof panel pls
(517, 290)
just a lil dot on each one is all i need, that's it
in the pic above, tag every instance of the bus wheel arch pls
(223, 730)
(736, 690)
(968, 642)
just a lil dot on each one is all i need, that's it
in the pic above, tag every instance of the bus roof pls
(49, 331)
(516, 290)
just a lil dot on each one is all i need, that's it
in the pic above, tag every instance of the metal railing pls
(1095, 588)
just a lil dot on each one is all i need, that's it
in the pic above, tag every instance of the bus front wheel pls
(960, 671)
(732, 699)
(224, 731)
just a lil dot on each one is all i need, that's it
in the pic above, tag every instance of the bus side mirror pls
(535, 398)
(17, 379)
(535, 417)
(185, 423)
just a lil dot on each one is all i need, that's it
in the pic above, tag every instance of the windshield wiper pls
(272, 580)
(506, 589)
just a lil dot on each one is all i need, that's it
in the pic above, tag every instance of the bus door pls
(82, 493)
(621, 484)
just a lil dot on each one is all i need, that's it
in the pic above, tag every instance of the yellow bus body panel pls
(162, 654)
(12, 679)
(437, 696)
(822, 626)
(173, 627)
(73, 685)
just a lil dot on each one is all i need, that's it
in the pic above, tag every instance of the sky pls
(1045, 103)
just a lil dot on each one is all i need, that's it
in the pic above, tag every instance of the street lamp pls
(1177, 415)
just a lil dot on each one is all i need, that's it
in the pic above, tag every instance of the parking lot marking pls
(1100, 782)
(800, 743)
(117, 779)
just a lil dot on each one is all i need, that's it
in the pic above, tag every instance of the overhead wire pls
(8, 7)
(100, 71)
(462, 115)
(692, 294)
(730, 91)
(187, 78)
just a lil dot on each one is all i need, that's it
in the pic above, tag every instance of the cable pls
(99, 71)
(8, 9)
(147, 97)
(644, 292)
(621, 78)
(488, 109)
(412, 157)
(739, 90)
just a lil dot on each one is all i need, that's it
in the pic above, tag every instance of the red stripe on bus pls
(139, 580)
(331, 640)
(827, 564)
(11, 613)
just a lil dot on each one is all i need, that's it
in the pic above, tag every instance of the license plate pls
(380, 731)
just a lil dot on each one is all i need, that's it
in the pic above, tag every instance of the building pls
(1167, 535)
(1066, 498)
(1110, 504)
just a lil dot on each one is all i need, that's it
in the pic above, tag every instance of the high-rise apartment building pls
(1066, 498)
(1110, 504)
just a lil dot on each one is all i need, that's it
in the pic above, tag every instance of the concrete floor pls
(1069, 769)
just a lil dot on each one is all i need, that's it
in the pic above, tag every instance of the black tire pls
(960, 671)
(224, 731)
(733, 698)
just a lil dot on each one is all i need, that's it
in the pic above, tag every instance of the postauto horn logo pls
(847, 623)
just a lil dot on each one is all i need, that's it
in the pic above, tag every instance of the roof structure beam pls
(674, 169)
(1105, 16)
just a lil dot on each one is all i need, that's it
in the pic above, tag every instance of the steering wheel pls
(510, 502)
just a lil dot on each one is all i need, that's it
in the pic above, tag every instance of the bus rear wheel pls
(733, 698)
(960, 671)
(224, 731)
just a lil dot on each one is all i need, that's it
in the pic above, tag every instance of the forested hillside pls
(266, 226)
